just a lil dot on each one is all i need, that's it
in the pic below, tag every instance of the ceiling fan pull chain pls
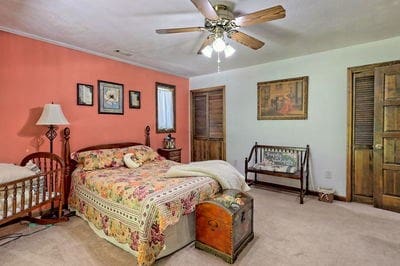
(218, 62)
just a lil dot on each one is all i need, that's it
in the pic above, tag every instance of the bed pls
(36, 184)
(139, 210)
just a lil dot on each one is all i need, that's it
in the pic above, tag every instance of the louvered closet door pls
(200, 126)
(216, 149)
(208, 124)
(363, 113)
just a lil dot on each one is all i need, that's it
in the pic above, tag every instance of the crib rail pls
(20, 197)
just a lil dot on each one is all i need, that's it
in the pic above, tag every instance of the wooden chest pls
(224, 225)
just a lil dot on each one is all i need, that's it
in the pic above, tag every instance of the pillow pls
(33, 167)
(278, 161)
(143, 153)
(106, 158)
(278, 158)
(100, 159)
(10, 172)
(130, 161)
(275, 168)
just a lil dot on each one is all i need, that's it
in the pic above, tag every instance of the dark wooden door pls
(208, 124)
(363, 133)
(387, 138)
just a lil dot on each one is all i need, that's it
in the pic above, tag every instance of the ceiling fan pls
(220, 21)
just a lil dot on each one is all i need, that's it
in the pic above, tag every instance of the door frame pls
(200, 90)
(350, 119)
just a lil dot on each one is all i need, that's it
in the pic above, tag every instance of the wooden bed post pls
(67, 160)
(147, 142)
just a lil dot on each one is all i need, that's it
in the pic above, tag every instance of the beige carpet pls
(286, 233)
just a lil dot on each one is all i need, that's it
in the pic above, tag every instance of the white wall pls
(325, 128)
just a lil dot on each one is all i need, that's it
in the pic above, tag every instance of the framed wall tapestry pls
(282, 99)
(84, 94)
(134, 99)
(111, 98)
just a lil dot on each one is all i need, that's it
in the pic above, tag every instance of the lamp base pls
(51, 134)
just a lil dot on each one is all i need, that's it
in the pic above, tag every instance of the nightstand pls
(171, 154)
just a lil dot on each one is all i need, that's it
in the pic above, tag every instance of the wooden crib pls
(19, 198)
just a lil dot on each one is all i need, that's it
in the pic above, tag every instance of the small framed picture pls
(84, 94)
(111, 98)
(134, 99)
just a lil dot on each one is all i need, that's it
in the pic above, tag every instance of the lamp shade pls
(52, 115)
(207, 51)
(229, 50)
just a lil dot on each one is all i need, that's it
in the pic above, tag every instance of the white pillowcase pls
(129, 162)
(10, 172)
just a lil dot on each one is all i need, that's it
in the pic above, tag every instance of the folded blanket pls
(226, 175)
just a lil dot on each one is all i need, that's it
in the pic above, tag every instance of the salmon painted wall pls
(33, 73)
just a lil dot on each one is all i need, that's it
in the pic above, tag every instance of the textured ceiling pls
(101, 26)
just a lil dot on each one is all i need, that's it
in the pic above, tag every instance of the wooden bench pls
(281, 161)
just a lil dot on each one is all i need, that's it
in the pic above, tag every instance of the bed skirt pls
(177, 236)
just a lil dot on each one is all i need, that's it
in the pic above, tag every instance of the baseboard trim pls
(275, 186)
(339, 198)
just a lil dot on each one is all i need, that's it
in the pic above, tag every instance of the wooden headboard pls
(70, 164)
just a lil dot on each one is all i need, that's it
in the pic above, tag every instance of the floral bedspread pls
(135, 206)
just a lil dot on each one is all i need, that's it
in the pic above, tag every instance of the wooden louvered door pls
(363, 131)
(373, 165)
(208, 124)
(387, 138)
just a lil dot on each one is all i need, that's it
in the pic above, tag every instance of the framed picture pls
(111, 98)
(134, 99)
(84, 94)
(282, 99)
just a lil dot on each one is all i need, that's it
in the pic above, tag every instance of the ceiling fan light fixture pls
(229, 51)
(221, 22)
(219, 44)
(207, 51)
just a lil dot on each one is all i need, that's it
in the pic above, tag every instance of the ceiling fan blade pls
(206, 42)
(206, 9)
(179, 30)
(261, 16)
(245, 39)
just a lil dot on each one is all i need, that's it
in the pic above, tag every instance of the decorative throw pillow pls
(33, 167)
(263, 166)
(99, 159)
(131, 161)
(277, 161)
(143, 153)
(275, 168)
(278, 158)
(285, 169)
